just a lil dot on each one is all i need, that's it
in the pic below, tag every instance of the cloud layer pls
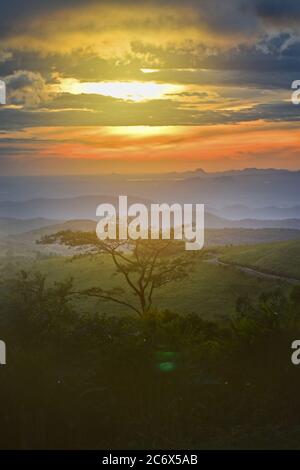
(233, 60)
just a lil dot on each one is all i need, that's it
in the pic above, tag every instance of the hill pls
(239, 211)
(210, 291)
(276, 258)
(80, 207)
(84, 207)
(12, 226)
(24, 244)
(260, 194)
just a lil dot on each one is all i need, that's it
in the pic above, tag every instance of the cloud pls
(26, 88)
(278, 11)
(111, 26)
(114, 40)
(97, 110)
(230, 16)
(89, 150)
(235, 59)
(4, 55)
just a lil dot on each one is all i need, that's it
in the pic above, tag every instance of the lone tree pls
(146, 265)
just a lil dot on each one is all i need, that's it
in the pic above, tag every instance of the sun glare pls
(128, 91)
(142, 131)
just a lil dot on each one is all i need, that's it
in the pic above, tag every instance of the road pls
(253, 272)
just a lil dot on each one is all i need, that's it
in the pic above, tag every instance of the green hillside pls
(282, 258)
(210, 290)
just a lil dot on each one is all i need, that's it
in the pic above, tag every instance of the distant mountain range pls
(219, 222)
(66, 213)
(271, 191)
(26, 242)
(250, 198)
(239, 211)
(248, 206)
(80, 207)
(12, 226)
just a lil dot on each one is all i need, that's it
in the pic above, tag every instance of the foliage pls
(146, 265)
(161, 380)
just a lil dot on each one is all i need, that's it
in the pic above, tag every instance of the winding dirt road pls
(253, 272)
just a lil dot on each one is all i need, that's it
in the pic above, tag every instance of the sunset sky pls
(155, 86)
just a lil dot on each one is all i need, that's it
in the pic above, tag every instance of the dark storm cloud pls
(280, 52)
(16, 13)
(279, 10)
(26, 88)
(229, 15)
(240, 66)
(277, 52)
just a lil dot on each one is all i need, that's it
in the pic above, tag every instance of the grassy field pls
(210, 291)
(277, 258)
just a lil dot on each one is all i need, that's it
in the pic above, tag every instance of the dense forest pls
(154, 378)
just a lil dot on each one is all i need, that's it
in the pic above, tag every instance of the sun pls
(129, 91)
(142, 131)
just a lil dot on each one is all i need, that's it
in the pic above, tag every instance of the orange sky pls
(159, 86)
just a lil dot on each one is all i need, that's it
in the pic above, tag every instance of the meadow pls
(209, 291)
(209, 366)
(281, 258)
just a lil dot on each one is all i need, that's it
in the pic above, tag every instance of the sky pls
(124, 86)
